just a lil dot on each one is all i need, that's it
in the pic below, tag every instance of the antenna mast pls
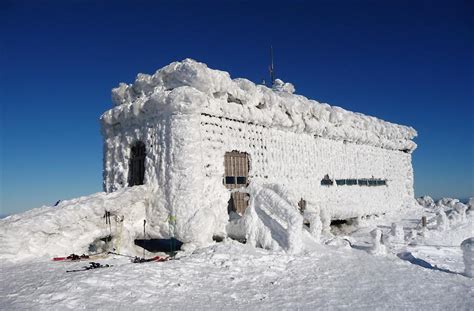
(271, 68)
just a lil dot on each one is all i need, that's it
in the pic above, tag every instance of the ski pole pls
(144, 238)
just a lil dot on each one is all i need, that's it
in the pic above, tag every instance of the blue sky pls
(409, 62)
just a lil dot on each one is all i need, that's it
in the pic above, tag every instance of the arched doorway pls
(136, 170)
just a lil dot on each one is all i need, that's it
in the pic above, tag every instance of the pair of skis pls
(96, 265)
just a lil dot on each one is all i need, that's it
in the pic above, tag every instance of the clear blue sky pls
(409, 62)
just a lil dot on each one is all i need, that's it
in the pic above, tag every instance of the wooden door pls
(236, 176)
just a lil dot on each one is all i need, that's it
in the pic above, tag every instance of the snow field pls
(233, 276)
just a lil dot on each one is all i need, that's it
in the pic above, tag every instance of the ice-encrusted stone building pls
(192, 134)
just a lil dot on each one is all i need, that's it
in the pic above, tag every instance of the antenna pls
(271, 68)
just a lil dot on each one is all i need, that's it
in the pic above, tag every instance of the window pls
(351, 182)
(230, 180)
(326, 181)
(372, 182)
(241, 180)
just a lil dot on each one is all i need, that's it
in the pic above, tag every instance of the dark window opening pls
(372, 182)
(338, 222)
(361, 182)
(170, 245)
(229, 180)
(241, 180)
(351, 182)
(326, 181)
(136, 174)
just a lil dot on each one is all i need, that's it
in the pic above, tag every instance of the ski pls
(83, 257)
(92, 265)
(156, 258)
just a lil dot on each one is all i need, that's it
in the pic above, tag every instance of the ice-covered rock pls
(470, 204)
(426, 201)
(442, 221)
(461, 209)
(447, 202)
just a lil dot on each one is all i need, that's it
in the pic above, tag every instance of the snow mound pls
(191, 87)
(77, 226)
(271, 221)
(467, 247)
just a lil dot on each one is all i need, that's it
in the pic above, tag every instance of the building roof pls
(191, 87)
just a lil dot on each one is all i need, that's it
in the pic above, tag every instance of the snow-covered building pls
(197, 139)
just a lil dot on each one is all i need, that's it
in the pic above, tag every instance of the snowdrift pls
(80, 225)
(271, 221)
(77, 226)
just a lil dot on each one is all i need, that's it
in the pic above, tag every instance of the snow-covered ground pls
(426, 274)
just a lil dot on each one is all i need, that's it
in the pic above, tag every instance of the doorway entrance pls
(236, 176)
(136, 173)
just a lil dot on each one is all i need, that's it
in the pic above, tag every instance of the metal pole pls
(144, 238)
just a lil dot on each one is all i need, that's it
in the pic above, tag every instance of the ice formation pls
(313, 216)
(442, 222)
(271, 221)
(187, 116)
(378, 248)
(190, 86)
(75, 226)
(426, 201)
(396, 235)
(467, 247)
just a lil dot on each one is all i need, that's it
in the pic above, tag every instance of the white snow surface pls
(234, 276)
(191, 87)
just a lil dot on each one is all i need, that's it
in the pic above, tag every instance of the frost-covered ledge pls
(190, 87)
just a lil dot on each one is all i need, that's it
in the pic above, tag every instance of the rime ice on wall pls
(188, 116)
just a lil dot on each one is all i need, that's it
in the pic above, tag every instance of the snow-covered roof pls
(191, 87)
